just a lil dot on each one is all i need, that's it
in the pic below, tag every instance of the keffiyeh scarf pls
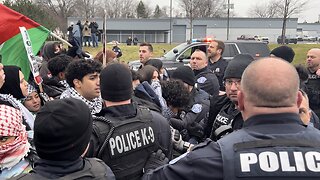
(94, 105)
(11, 125)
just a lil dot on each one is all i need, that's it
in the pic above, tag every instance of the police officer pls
(62, 131)
(192, 116)
(274, 143)
(313, 82)
(224, 117)
(126, 133)
(206, 80)
(216, 63)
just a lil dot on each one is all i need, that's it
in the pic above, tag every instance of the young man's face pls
(144, 54)
(89, 86)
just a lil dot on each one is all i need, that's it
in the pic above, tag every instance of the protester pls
(14, 88)
(120, 120)
(14, 145)
(49, 51)
(83, 79)
(272, 137)
(284, 52)
(61, 137)
(33, 101)
(216, 63)
(190, 120)
(54, 85)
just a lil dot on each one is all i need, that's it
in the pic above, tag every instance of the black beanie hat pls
(116, 83)
(284, 52)
(157, 63)
(237, 65)
(62, 129)
(185, 74)
(12, 82)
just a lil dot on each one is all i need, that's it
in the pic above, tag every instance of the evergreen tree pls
(141, 10)
(157, 12)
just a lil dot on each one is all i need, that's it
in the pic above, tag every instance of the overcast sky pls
(241, 7)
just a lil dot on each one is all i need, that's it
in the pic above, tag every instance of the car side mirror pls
(175, 51)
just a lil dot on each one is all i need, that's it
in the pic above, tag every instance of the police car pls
(180, 55)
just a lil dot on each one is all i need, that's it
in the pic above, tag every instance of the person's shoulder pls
(205, 151)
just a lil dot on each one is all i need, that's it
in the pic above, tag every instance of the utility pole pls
(285, 16)
(170, 33)
(228, 7)
(191, 20)
(228, 21)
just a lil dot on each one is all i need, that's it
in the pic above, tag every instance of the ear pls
(219, 50)
(299, 99)
(77, 83)
(61, 75)
(240, 97)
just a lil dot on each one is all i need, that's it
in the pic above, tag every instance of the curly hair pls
(80, 68)
(175, 93)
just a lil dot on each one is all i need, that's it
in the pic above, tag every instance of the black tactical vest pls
(94, 169)
(127, 143)
(292, 156)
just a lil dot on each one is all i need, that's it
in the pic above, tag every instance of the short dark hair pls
(220, 45)
(147, 44)
(175, 93)
(80, 68)
(59, 64)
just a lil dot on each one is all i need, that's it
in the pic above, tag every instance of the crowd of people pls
(245, 118)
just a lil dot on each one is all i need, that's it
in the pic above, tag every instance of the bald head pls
(270, 83)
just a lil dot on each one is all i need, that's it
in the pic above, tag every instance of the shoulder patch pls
(196, 108)
(201, 80)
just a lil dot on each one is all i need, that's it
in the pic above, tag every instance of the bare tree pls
(61, 9)
(290, 7)
(266, 10)
(86, 8)
(118, 8)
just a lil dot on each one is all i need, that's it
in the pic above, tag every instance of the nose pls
(234, 86)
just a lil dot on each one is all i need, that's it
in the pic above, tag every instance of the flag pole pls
(104, 62)
(64, 41)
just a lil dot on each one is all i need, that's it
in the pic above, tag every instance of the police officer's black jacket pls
(218, 69)
(313, 91)
(87, 168)
(191, 118)
(222, 112)
(271, 146)
(207, 81)
(126, 136)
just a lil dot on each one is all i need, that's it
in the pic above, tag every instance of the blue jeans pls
(94, 39)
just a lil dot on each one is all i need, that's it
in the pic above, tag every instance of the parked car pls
(288, 39)
(245, 37)
(309, 38)
(262, 39)
(180, 55)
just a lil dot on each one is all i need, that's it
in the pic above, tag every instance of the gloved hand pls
(196, 130)
(155, 160)
(176, 140)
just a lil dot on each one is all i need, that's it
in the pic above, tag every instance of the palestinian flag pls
(12, 50)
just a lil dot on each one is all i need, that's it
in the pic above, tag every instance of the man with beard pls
(216, 63)
(224, 115)
(313, 82)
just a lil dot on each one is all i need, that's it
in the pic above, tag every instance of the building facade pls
(159, 30)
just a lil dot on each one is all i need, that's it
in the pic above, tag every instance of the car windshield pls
(171, 55)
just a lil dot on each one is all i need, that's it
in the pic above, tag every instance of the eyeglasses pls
(229, 82)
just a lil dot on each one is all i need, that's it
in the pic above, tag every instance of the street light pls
(170, 22)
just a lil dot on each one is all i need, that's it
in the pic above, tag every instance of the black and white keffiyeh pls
(95, 105)
(64, 83)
